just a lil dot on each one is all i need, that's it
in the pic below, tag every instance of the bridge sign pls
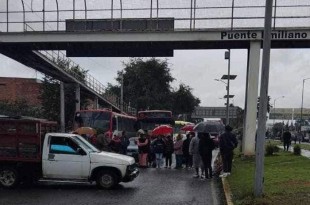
(214, 112)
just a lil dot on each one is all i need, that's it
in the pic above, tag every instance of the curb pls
(227, 191)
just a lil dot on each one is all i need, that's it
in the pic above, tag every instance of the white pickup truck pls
(60, 156)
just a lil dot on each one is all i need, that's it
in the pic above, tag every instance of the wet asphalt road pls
(153, 186)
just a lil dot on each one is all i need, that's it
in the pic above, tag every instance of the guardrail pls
(75, 70)
(191, 15)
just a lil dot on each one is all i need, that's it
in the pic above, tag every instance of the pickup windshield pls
(83, 143)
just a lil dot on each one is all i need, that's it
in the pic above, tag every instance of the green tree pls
(184, 102)
(50, 94)
(20, 108)
(147, 83)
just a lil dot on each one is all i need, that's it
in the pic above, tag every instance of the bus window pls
(114, 124)
(96, 120)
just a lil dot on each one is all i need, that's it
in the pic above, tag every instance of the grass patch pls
(305, 146)
(277, 142)
(285, 177)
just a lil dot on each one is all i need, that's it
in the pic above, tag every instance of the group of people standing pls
(117, 144)
(194, 151)
(153, 150)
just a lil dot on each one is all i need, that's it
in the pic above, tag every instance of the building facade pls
(16, 89)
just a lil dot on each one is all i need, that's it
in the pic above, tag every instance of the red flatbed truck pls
(20, 144)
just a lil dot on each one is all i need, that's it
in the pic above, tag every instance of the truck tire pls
(8, 177)
(106, 179)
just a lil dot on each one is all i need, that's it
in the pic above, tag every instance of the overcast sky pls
(199, 68)
(196, 68)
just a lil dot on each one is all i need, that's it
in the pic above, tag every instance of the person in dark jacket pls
(115, 143)
(143, 148)
(169, 149)
(227, 143)
(124, 143)
(287, 139)
(187, 157)
(158, 148)
(206, 145)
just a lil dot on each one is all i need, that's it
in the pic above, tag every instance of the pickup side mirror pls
(80, 151)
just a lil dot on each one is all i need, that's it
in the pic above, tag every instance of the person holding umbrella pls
(159, 149)
(206, 145)
(227, 143)
(194, 151)
(187, 157)
(169, 148)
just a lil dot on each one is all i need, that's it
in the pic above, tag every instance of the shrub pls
(269, 149)
(276, 148)
(297, 150)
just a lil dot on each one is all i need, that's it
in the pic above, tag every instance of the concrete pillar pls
(62, 107)
(248, 142)
(77, 97)
(96, 103)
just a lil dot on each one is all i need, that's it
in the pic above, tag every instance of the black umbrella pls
(209, 127)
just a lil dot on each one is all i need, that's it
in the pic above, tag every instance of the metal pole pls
(121, 7)
(62, 107)
(245, 100)
(77, 97)
(261, 131)
(85, 5)
(151, 15)
(73, 9)
(302, 99)
(232, 14)
(194, 14)
(112, 2)
(43, 15)
(275, 14)
(157, 15)
(191, 15)
(122, 91)
(228, 82)
(7, 15)
(274, 111)
(57, 15)
(24, 15)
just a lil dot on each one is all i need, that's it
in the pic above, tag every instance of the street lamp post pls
(225, 77)
(302, 98)
(227, 56)
(274, 107)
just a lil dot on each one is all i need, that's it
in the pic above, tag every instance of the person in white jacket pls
(194, 151)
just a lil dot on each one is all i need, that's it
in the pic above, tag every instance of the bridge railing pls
(80, 74)
(51, 15)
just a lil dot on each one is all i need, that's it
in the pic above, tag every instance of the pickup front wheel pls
(8, 177)
(106, 179)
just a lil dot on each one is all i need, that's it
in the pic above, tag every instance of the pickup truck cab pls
(62, 156)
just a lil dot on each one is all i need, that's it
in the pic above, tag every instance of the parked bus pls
(106, 120)
(149, 119)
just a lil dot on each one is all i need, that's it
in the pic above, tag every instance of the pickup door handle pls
(51, 157)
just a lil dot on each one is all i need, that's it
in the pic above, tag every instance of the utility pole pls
(122, 92)
(302, 98)
(261, 130)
